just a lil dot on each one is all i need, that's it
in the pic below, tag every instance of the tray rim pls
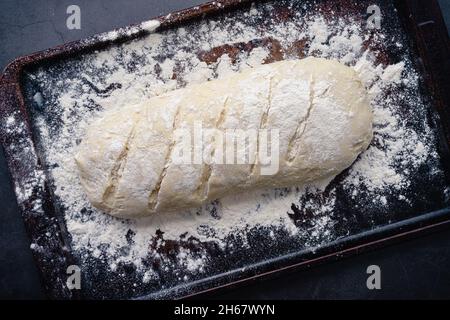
(438, 81)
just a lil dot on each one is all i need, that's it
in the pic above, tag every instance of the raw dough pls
(319, 106)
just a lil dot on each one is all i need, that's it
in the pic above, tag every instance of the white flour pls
(382, 166)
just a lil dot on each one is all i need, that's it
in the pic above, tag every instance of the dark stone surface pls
(417, 268)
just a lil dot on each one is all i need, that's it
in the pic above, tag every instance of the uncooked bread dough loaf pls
(319, 106)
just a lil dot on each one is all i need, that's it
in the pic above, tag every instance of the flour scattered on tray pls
(161, 62)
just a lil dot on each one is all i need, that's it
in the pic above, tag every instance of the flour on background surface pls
(148, 26)
(135, 71)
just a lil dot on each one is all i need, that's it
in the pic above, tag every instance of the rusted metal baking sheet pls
(425, 36)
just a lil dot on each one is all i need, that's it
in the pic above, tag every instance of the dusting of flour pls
(140, 69)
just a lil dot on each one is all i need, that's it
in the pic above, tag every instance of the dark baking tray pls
(427, 39)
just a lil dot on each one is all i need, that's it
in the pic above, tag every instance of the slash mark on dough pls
(262, 125)
(117, 169)
(203, 188)
(300, 130)
(153, 196)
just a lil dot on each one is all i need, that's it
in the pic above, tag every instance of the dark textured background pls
(417, 268)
